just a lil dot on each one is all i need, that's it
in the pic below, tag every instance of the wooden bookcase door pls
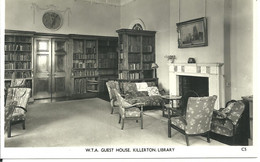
(50, 68)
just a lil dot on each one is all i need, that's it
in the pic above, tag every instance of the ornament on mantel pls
(170, 58)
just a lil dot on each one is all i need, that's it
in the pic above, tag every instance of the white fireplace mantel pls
(210, 70)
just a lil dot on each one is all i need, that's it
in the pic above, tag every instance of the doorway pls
(50, 71)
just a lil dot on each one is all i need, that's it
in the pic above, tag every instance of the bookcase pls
(107, 62)
(85, 66)
(136, 54)
(94, 62)
(18, 57)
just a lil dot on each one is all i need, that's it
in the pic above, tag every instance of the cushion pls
(132, 112)
(153, 91)
(228, 108)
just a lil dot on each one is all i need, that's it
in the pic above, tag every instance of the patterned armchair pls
(16, 114)
(225, 121)
(197, 120)
(111, 85)
(129, 111)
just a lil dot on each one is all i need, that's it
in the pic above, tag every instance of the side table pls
(171, 99)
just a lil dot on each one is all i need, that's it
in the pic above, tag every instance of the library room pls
(133, 75)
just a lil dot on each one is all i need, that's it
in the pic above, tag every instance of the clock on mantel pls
(52, 20)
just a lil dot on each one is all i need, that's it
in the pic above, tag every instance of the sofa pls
(142, 92)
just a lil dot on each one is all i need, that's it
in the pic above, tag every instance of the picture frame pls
(192, 33)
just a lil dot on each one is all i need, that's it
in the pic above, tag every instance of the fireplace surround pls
(210, 70)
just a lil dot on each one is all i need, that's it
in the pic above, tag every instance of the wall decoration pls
(52, 20)
(192, 33)
(51, 16)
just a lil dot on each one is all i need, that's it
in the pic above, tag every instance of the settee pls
(142, 92)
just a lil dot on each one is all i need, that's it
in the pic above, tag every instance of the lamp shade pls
(154, 66)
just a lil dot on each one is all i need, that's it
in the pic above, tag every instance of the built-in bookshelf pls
(18, 57)
(136, 55)
(84, 68)
(107, 61)
(95, 61)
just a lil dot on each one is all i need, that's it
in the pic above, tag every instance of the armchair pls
(226, 121)
(197, 119)
(129, 111)
(15, 113)
(111, 85)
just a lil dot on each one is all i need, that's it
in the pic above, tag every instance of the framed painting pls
(192, 33)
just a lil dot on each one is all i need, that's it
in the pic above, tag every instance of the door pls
(50, 57)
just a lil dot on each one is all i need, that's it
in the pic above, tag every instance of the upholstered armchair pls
(129, 111)
(197, 120)
(111, 85)
(226, 121)
(16, 113)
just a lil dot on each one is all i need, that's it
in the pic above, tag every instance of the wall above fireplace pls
(212, 71)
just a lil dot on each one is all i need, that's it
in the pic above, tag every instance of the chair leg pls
(112, 110)
(187, 139)
(142, 123)
(169, 129)
(208, 138)
(23, 124)
(119, 119)
(122, 124)
(9, 130)
(136, 121)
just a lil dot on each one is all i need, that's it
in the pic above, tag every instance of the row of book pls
(17, 47)
(18, 39)
(17, 65)
(135, 48)
(134, 75)
(123, 75)
(28, 84)
(109, 55)
(91, 50)
(134, 58)
(84, 64)
(108, 72)
(134, 66)
(84, 73)
(18, 74)
(147, 66)
(83, 56)
(148, 48)
(78, 73)
(80, 86)
(148, 57)
(107, 63)
(18, 57)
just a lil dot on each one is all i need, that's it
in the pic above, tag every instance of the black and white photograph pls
(129, 79)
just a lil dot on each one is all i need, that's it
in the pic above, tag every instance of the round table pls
(172, 99)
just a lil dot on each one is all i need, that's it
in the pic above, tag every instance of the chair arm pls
(21, 108)
(134, 105)
(171, 110)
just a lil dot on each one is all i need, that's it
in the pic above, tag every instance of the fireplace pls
(199, 85)
(203, 79)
